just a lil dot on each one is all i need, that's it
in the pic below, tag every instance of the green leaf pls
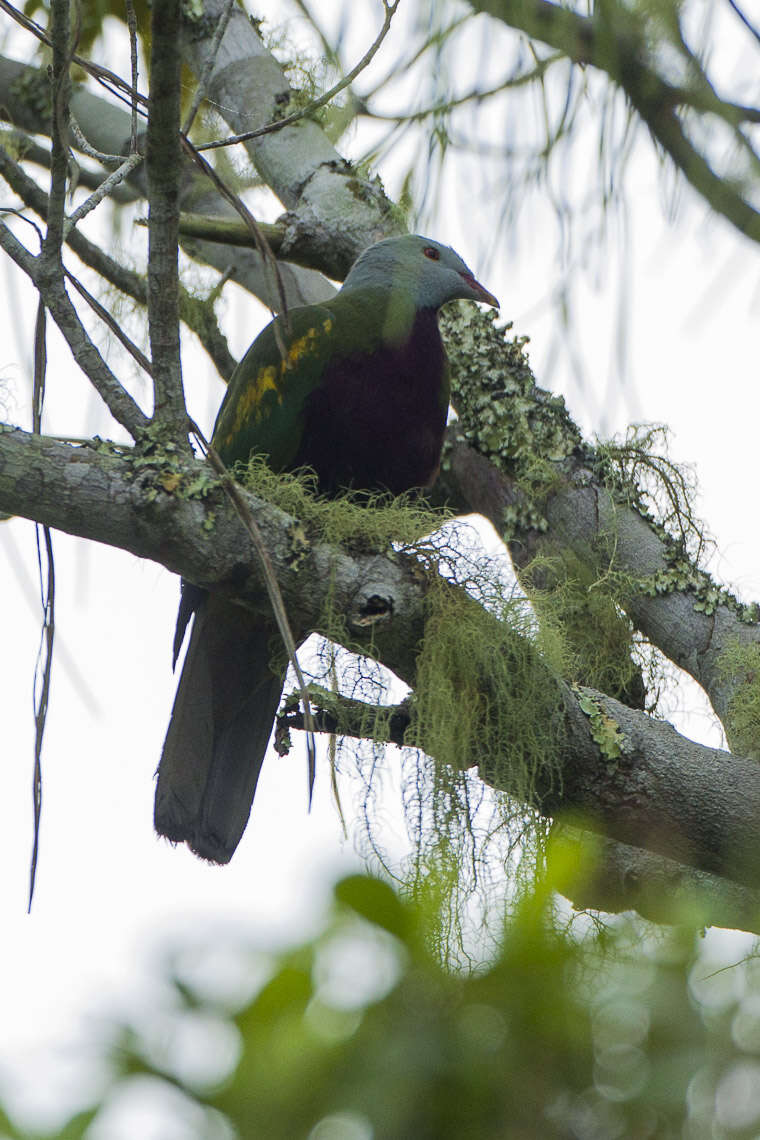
(376, 901)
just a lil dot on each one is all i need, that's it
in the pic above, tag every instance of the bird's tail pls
(222, 718)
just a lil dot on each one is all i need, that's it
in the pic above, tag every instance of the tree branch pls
(59, 126)
(612, 876)
(663, 792)
(22, 92)
(53, 292)
(611, 41)
(505, 423)
(327, 200)
(323, 100)
(163, 161)
(196, 314)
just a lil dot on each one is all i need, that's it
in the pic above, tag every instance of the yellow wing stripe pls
(268, 379)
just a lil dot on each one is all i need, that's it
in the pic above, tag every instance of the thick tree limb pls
(329, 205)
(611, 875)
(665, 793)
(621, 877)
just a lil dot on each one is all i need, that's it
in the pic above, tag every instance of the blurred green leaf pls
(376, 901)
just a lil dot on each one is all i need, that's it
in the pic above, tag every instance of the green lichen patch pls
(501, 410)
(606, 732)
(159, 463)
(682, 575)
(739, 666)
(33, 89)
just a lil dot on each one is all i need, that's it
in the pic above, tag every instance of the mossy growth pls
(485, 697)
(639, 472)
(521, 428)
(485, 694)
(356, 520)
(33, 89)
(585, 604)
(739, 666)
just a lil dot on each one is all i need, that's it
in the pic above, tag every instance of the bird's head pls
(430, 272)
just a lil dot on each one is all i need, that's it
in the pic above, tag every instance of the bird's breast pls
(377, 420)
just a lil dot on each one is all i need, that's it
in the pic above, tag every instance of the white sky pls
(109, 893)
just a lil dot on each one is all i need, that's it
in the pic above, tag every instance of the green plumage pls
(357, 389)
(264, 408)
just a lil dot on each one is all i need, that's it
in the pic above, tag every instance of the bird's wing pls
(263, 409)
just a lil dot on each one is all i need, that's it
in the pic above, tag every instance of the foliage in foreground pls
(571, 1030)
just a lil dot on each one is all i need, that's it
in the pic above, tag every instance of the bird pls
(357, 389)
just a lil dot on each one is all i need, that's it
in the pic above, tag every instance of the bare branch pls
(259, 239)
(106, 187)
(197, 314)
(113, 325)
(200, 89)
(163, 164)
(107, 160)
(315, 104)
(596, 41)
(132, 28)
(59, 128)
(52, 291)
(107, 125)
(109, 79)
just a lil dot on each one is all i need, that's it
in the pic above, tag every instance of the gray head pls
(432, 273)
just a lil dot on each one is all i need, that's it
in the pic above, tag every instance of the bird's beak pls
(479, 293)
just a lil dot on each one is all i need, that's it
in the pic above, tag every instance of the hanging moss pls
(586, 604)
(484, 694)
(739, 665)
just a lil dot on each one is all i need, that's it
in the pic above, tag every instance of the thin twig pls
(197, 315)
(132, 27)
(262, 245)
(273, 590)
(29, 150)
(119, 402)
(750, 27)
(108, 320)
(103, 191)
(269, 128)
(47, 596)
(203, 78)
(103, 75)
(474, 96)
(87, 148)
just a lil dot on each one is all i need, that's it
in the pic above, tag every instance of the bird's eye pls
(433, 253)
